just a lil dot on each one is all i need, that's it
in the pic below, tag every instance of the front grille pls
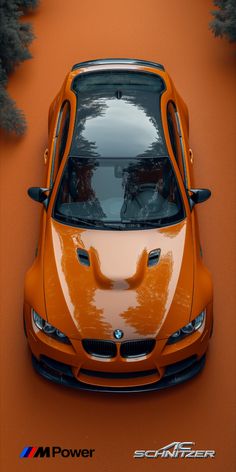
(137, 348)
(99, 348)
(118, 375)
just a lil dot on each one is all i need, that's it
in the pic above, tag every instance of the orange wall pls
(34, 412)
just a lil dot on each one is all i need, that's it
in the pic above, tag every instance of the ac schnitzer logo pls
(182, 450)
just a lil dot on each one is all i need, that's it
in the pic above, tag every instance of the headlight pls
(48, 329)
(188, 329)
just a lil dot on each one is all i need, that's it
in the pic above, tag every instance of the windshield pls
(120, 193)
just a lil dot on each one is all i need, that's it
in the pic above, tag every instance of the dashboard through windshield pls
(125, 193)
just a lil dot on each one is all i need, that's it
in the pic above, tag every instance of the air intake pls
(118, 375)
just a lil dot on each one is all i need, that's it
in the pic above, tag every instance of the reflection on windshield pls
(130, 192)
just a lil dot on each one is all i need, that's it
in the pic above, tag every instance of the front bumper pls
(166, 366)
(175, 374)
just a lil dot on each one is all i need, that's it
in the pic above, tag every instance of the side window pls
(175, 137)
(61, 139)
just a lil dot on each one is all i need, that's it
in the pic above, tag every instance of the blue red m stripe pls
(28, 451)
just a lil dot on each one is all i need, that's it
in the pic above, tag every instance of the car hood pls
(118, 290)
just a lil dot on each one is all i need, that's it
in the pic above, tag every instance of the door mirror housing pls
(198, 195)
(39, 195)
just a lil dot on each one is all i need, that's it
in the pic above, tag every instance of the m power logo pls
(30, 452)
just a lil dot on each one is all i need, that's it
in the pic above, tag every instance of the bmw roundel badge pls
(118, 334)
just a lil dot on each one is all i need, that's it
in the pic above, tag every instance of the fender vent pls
(154, 257)
(83, 257)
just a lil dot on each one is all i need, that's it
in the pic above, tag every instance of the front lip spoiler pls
(67, 379)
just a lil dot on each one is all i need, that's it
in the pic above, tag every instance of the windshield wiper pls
(90, 222)
(142, 223)
(117, 226)
(113, 226)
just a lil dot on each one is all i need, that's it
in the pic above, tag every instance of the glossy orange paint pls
(117, 292)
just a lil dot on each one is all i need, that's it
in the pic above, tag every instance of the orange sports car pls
(118, 298)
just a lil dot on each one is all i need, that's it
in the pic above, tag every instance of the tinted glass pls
(60, 142)
(118, 193)
(118, 115)
(64, 131)
(174, 137)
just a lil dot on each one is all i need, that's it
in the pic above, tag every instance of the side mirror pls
(198, 195)
(38, 194)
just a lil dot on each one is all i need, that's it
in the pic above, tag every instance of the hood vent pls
(154, 257)
(83, 257)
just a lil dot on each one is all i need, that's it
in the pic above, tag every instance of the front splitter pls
(63, 376)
